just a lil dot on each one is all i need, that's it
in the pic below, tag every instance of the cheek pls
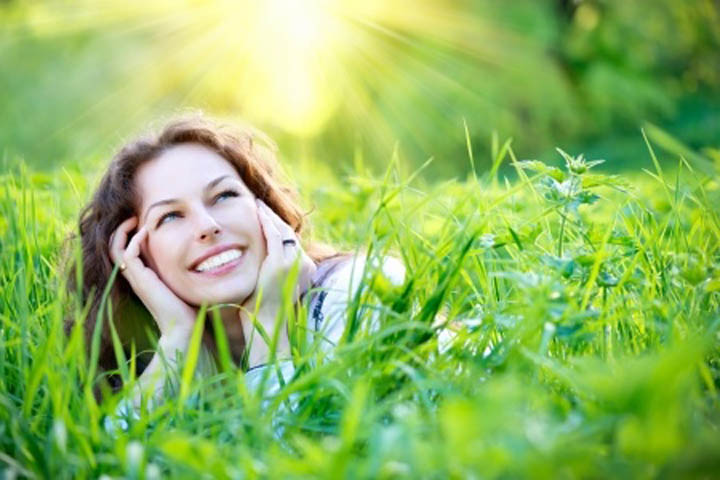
(161, 252)
(243, 218)
(254, 226)
(253, 222)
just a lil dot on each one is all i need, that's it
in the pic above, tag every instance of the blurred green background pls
(334, 82)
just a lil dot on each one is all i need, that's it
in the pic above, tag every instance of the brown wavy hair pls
(116, 199)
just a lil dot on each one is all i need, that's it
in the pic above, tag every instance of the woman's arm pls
(165, 362)
(259, 351)
(175, 319)
(162, 372)
(283, 251)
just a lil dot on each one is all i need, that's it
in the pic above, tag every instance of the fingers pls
(128, 256)
(285, 230)
(273, 237)
(281, 256)
(133, 248)
(118, 239)
(281, 232)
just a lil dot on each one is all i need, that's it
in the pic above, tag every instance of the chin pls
(214, 298)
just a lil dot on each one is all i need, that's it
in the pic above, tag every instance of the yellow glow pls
(285, 49)
(298, 65)
(296, 61)
(587, 16)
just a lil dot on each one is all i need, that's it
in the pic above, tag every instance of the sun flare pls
(285, 51)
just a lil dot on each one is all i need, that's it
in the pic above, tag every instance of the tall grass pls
(564, 324)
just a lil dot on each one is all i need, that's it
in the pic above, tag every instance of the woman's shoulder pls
(337, 281)
(346, 272)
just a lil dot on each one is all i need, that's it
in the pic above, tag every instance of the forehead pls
(181, 171)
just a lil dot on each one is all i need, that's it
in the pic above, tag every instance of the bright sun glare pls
(294, 65)
(288, 48)
(296, 62)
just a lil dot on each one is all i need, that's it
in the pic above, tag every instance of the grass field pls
(587, 339)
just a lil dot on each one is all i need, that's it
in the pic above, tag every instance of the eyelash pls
(230, 193)
(167, 215)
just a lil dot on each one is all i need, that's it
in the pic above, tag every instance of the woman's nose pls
(208, 233)
(208, 228)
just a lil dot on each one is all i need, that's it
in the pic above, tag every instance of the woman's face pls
(204, 237)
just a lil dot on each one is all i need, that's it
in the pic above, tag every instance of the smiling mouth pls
(220, 262)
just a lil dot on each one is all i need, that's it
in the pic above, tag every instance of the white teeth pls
(220, 259)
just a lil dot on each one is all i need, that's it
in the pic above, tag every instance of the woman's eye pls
(169, 215)
(226, 194)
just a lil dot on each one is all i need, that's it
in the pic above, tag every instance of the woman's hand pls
(283, 250)
(174, 317)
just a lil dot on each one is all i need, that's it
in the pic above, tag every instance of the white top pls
(327, 313)
(326, 324)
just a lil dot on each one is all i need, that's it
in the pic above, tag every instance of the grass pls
(585, 311)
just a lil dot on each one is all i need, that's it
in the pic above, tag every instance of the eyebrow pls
(209, 186)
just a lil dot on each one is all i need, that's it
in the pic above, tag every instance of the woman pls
(196, 215)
